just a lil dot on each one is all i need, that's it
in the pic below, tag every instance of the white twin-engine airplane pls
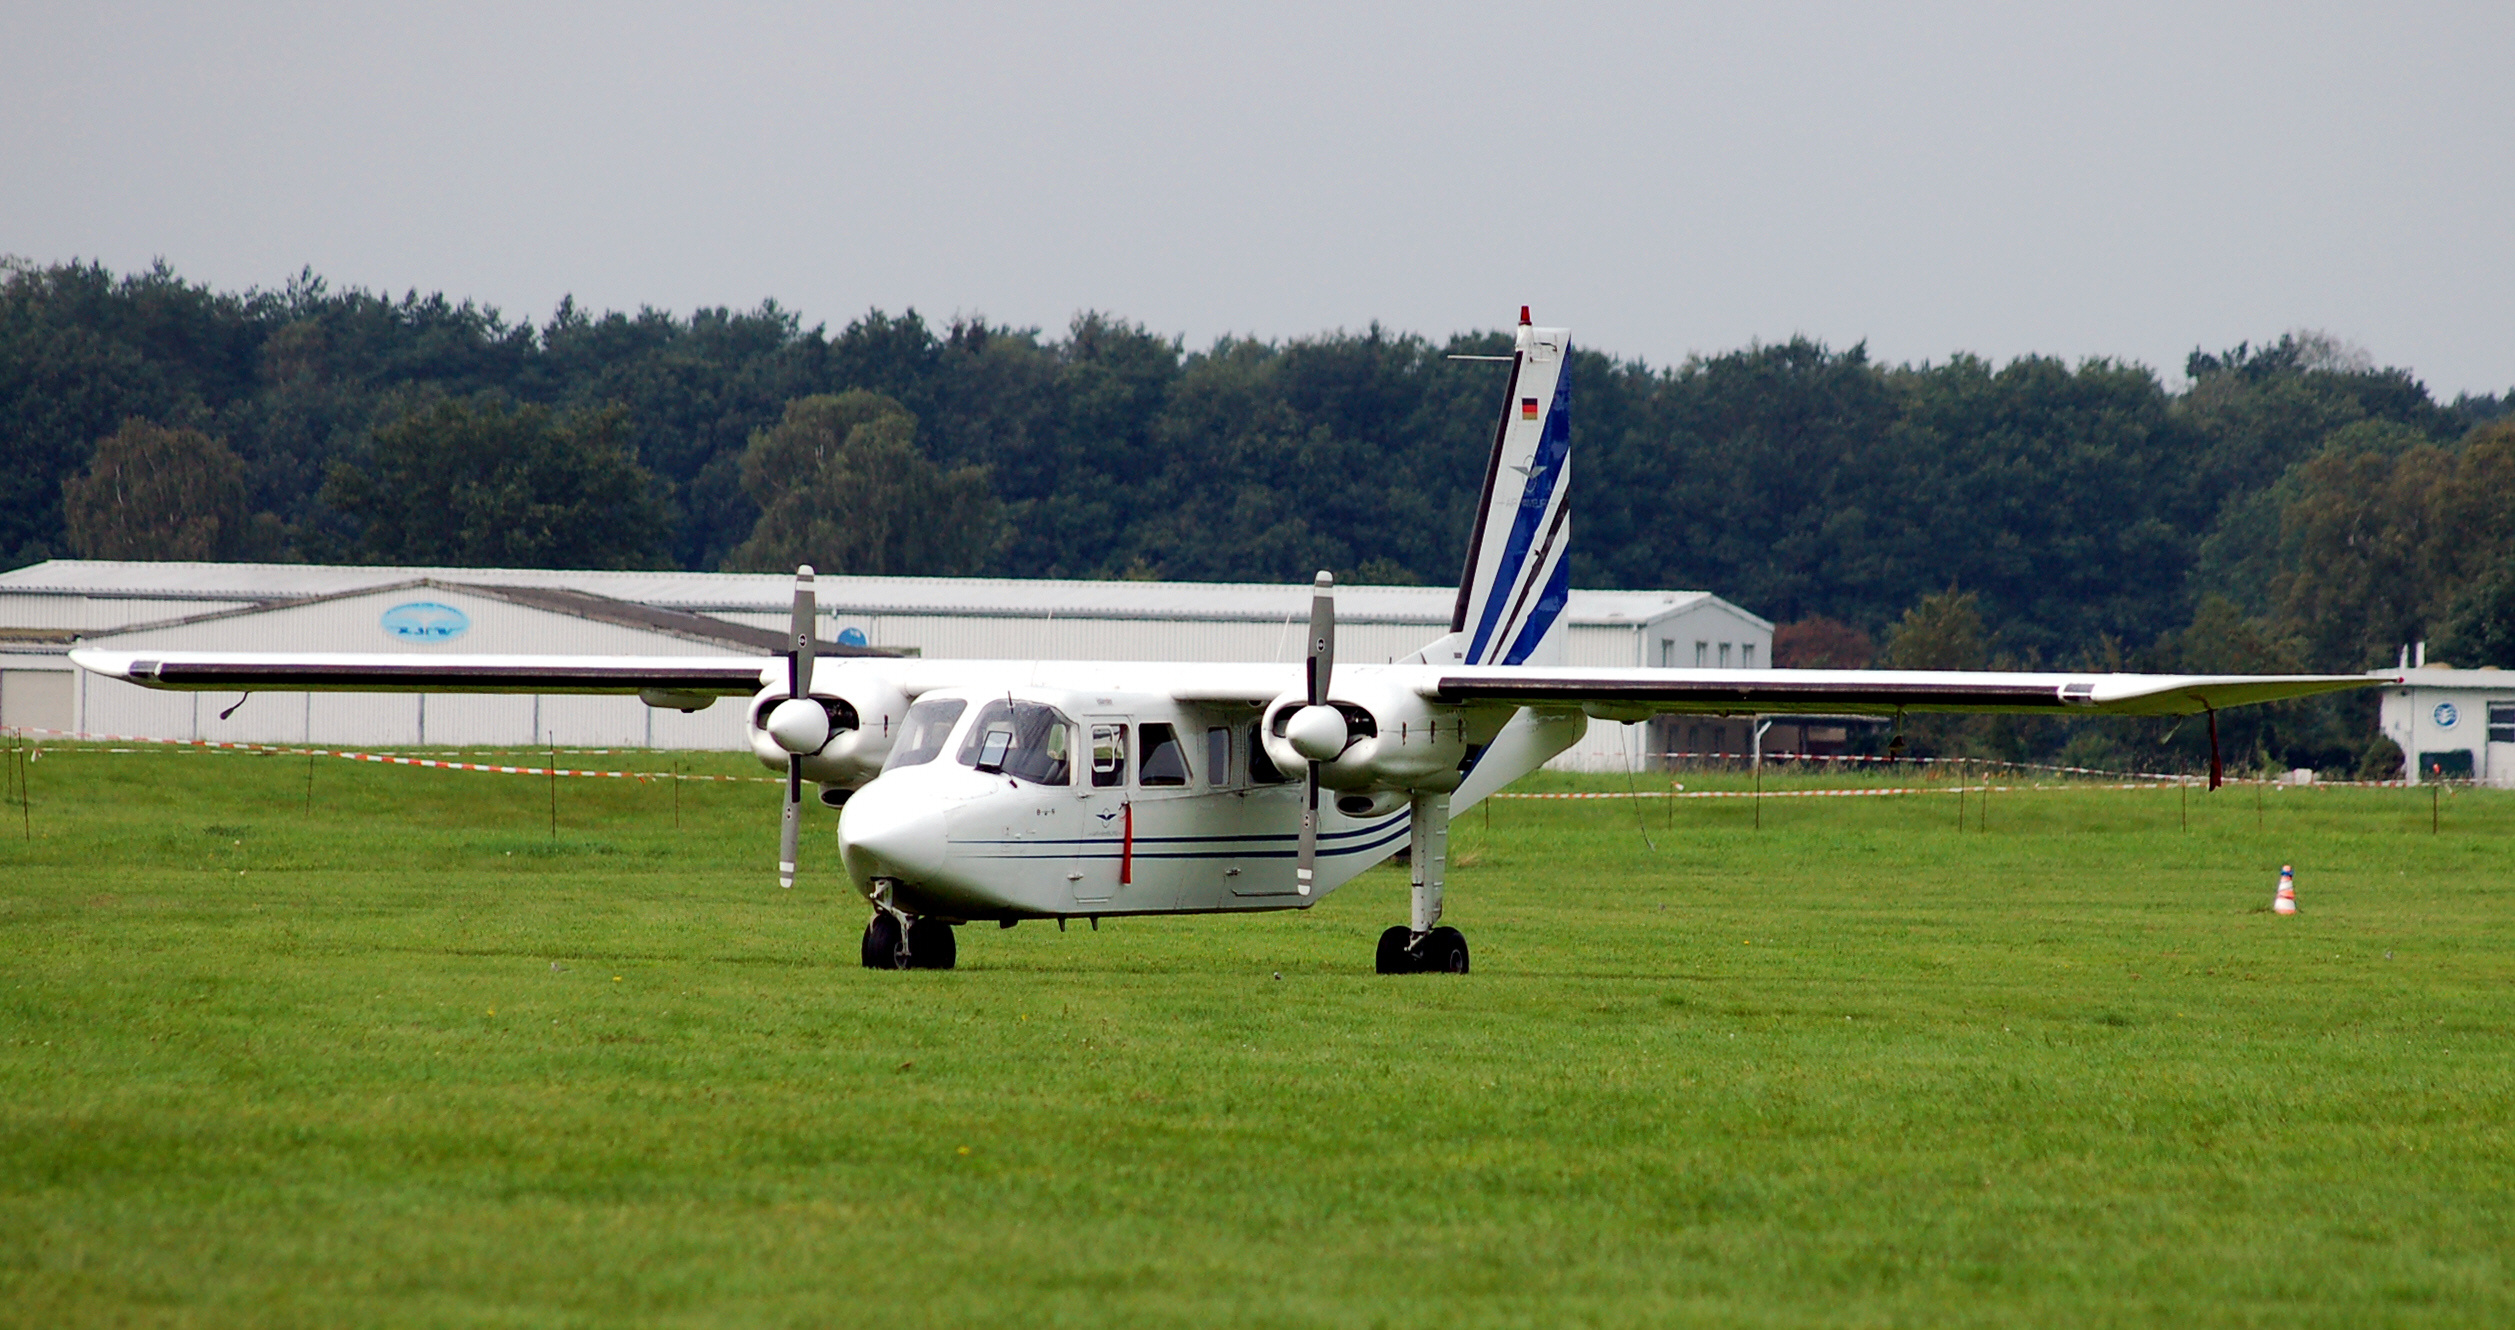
(1012, 790)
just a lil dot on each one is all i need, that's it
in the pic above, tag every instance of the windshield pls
(923, 730)
(1027, 740)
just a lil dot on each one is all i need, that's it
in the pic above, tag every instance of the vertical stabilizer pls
(1511, 594)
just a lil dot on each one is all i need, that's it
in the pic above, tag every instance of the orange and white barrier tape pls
(393, 759)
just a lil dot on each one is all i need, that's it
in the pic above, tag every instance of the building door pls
(2501, 755)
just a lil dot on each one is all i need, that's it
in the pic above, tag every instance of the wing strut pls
(2215, 771)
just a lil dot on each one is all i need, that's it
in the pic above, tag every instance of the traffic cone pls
(2286, 901)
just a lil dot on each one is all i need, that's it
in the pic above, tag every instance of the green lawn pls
(406, 1059)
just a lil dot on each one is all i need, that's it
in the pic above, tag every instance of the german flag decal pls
(1528, 408)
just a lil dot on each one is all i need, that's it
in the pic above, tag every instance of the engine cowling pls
(860, 719)
(1393, 739)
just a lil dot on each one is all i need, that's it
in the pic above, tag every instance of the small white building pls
(2453, 724)
(300, 607)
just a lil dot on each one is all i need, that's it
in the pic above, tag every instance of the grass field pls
(406, 1058)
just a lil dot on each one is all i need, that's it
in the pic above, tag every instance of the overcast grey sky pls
(2001, 179)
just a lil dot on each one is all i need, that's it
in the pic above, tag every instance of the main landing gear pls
(1405, 951)
(1423, 946)
(895, 941)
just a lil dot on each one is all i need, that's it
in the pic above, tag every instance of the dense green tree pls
(482, 483)
(841, 485)
(1942, 631)
(150, 492)
(2479, 625)
(2093, 513)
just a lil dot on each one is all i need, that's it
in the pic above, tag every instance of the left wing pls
(339, 672)
(1634, 694)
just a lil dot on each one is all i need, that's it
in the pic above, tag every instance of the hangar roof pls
(584, 605)
(228, 583)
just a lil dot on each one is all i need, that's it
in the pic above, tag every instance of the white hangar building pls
(45, 608)
(2453, 724)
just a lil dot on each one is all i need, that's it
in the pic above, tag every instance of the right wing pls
(1632, 694)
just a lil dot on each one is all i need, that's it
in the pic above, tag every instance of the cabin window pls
(1109, 755)
(1217, 756)
(1025, 740)
(1261, 767)
(923, 730)
(1165, 761)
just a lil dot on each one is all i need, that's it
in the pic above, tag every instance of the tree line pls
(2288, 505)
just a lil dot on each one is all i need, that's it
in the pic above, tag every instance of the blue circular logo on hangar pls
(851, 637)
(2446, 714)
(426, 621)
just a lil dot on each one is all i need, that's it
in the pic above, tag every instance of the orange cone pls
(2286, 901)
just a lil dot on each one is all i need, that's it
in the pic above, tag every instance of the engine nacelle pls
(863, 715)
(1394, 740)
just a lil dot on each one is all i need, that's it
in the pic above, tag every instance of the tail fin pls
(1517, 578)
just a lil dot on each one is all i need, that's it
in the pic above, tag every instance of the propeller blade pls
(1322, 635)
(793, 822)
(1305, 867)
(799, 668)
(1322, 668)
(798, 684)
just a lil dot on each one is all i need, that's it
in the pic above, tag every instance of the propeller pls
(797, 724)
(1317, 730)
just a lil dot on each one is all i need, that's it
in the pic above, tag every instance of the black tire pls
(1445, 951)
(881, 950)
(930, 945)
(1393, 957)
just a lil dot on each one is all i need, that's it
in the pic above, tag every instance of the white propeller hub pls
(799, 725)
(1317, 733)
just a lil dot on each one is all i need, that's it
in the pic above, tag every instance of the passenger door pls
(1102, 828)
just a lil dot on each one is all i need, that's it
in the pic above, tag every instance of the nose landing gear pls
(897, 941)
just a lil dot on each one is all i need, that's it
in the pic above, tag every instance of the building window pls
(1667, 652)
(2502, 722)
(1724, 655)
(1702, 654)
(1746, 656)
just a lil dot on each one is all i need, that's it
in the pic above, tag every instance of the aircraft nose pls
(892, 837)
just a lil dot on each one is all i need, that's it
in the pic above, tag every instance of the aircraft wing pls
(1632, 694)
(254, 671)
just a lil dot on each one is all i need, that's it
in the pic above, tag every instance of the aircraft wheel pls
(1393, 957)
(1445, 951)
(930, 945)
(882, 939)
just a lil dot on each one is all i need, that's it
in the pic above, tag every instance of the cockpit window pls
(923, 731)
(1026, 740)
